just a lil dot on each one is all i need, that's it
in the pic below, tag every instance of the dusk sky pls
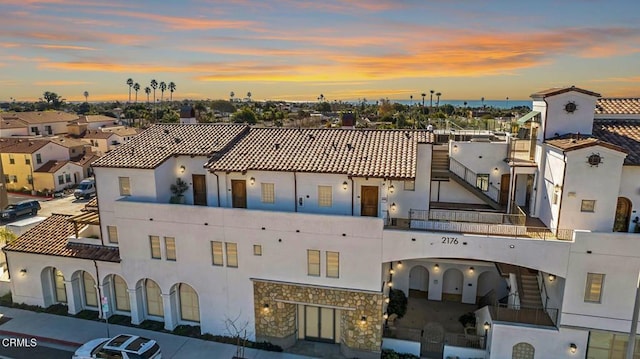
(297, 50)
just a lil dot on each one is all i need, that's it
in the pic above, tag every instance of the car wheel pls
(34, 211)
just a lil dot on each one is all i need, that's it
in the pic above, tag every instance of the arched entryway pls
(491, 284)
(54, 289)
(85, 291)
(523, 351)
(184, 302)
(452, 282)
(418, 281)
(151, 299)
(117, 293)
(623, 215)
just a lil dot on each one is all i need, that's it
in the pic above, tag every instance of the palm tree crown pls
(136, 88)
(172, 88)
(86, 96)
(130, 83)
(163, 88)
(438, 94)
(147, 90)
(231, 94)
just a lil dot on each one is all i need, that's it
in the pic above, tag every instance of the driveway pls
(63, 205)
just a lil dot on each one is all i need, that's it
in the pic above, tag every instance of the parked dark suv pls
(30, 206)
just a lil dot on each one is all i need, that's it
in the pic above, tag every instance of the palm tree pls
(249, 96)
(130, 83)
(172, 88)
(136, 88)
(86, 96)
(411, 98)
(482, 99)
(231, 95)
(154, 86)
(438, 94)
(507, 102)
(423, 95)
(147, 90)
(321, 97)
(163, 88)
(431, 99)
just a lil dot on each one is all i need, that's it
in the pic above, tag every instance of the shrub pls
(468, 319)
(390, 354)
(397, 303)
(88, 314)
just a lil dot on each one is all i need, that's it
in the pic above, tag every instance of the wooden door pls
(623, 215)
(199, 190)
(369, 201)
(504, 189)
(239, 193)
(319, 324)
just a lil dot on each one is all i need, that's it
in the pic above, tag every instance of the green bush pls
(390, 354)
(88, 314)
(397, 303)
(468, 319)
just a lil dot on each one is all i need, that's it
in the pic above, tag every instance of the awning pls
(528, 117)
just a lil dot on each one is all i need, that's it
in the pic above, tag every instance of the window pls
(523, 351)
(588, 205)
(482, 182)
(232, 255)
(333, 264)
(610, 345)
(268, 193)
(122, 294)
(409, 185)
(593, 290)
(125, 186)
(12, 160)
(189, 306)
(48, 130)
(60, 179)
(216, 253)
(61, 289)
(155, 247)
(7, 179)
(257, 250)
(170, 248)
(14, 179)
(38, 158)
(90, 292)
(27, 160)
(313, 262)
(67, 177)
(325, 196)
(112, 233)
(30, 179)
(154, 298)
(34, 129)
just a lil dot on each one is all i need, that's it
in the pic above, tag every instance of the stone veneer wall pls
(279, 320)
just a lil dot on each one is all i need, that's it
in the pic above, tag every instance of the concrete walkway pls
(72, 332)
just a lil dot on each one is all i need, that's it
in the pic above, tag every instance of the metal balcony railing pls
(471, 178)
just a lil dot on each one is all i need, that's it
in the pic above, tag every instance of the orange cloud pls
(65, 47)
(60, 83)
(184, 23)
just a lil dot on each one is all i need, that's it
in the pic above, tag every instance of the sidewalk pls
(72, 332)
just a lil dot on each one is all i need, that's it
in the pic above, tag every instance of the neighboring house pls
(188, 114)
(11, 128)
(42, 123)
(101, 142)
(85, 162)
(125, 133)
(304, 232)
(55, 176)
(95, 122)
(4, 200)
(76, 147)
(22, 157)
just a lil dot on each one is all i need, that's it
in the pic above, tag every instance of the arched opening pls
(523, 351)
(152, 298)
(185, 301)
(85, 291)
(623, 215)
(452, 285)
(54, 289)
(491, 285)
(418, 281)
(116, 290)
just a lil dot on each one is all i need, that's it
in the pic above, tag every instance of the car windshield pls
(84, 186)
(11, 206)
(97, 348)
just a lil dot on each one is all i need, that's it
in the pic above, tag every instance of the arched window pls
(189, 306)
(121, 294)
(61, 289)
(90, 292)
(523, 351)
(154, 298)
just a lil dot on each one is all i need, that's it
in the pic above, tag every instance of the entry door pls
(319, 324)
(504, 188)
(369, 201)
(199, 190)
(239, 193)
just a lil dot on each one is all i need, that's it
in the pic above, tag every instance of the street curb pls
(40, 338)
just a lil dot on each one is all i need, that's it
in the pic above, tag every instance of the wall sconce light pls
(393, 206)
(265, 307)
(387, 300)
(495, 170)
(436, 266)
(182, 169)
(552, 277)
(487, 326)
(399, 264)
(252, 181)
(390, 284)
(573, 348)
(471, 269)
(345, 185)
(556, 188)
(23, 271)
(391, 189)
(455, 148)
(363, 320)
(391, 271)
(385, 316)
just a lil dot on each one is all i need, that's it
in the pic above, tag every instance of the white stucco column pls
(137, 311)
(170, 320)
(73, 302)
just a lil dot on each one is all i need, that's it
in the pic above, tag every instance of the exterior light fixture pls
(252, 181)
(387, 300)
(23, 271)
(345, 185)
(471, 269)
(393, 206)
(265, 307)
(573, 348)
(385, 316)
(363, 320)
(391, 189)
(390, 284)
(391, 271)
(399, 264)
(552, 277)
(436, 266)
(182, 169)
(495, 170)
(487, 326)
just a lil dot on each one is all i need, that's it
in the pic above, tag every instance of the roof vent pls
(276, 146)
(311, 136)
(407, 135)
(177, 140)
(334, 145)
(166, 131)
(349, 147)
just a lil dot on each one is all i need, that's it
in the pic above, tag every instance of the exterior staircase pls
(530, 292)
(440, 163)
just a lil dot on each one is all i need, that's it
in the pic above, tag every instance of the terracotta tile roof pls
(123, 131)
(35, 117)
(91, 206)
(67, 142)
(153, 146)
(618, 106)
(82, 160)
(559, 90)
(96, 118)
(10, 123)
(572, 142)
(52, 166)
(361, 153)
(96, 134)
(623, 133)
(50, 238)
(21, 145)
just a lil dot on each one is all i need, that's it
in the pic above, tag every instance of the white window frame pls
(257, 249)
(268, 192)
(154, 244)
(325, 196)
(112, 234)
(217, 258)
(333, 264)
(124, 184)
(313, 268)
(231, 251)
(170, 248)
(594, 288)
(588, 205)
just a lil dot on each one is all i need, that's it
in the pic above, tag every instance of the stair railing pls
(471, 178)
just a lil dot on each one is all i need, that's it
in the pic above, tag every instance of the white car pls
(123, 346)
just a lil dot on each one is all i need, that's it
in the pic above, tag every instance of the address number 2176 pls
(449, 240)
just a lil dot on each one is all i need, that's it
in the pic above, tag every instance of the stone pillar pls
(73, 301)
(170, 318)
(137, 311)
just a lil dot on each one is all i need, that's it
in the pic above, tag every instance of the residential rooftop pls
(622, 133)
(36, 117)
